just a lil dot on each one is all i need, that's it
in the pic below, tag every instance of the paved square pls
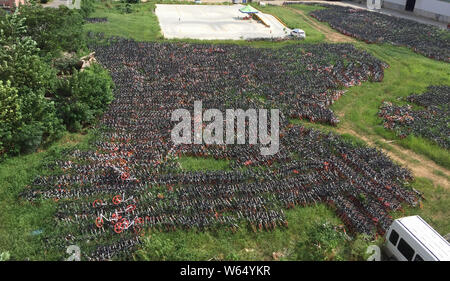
(209, 22)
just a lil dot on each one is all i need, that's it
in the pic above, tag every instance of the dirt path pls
(419, 165)
(330, 34)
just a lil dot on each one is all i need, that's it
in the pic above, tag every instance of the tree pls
(10, 112)
(26, 78)
(83, 96)
(53, 29)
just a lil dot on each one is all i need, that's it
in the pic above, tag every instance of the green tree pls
(10, 112)
(84, 96)
(87, 7)
(24, 73)
(53, 29)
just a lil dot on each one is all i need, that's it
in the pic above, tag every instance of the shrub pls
(34, 103)
(10, 114)
(54, 29)
(324, 242)
(66, 64)
(4, 256)
(26, 80)
(87, 7)
(83, 96)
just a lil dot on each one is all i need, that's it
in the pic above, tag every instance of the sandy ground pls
(210, 22)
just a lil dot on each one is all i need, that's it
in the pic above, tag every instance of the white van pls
(412, 239)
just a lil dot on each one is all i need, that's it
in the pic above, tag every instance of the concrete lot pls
(209, 22)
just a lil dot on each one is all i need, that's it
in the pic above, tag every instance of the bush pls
(87, 8)
(66, 64)
(324, 242)
(4, 256)
(26, 80)
(54, 29)
(83, 96)
(10, 114)
(35, 105)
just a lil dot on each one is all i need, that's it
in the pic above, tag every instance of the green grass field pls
(408, 73)
(311, 234)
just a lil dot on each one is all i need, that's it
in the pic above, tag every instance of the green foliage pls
(189, 163)
(28, 79)
(10, 114)
(127, 9)
(54, 29)
(130, 1)
(83, 96)
(359, 247)
(87, 8)
(36, 103)
(66, 64)
(4, 256)
(325, 242)
(19, 218)
(160, 247)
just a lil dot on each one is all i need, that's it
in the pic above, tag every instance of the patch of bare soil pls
(419, 165)
(330, 34)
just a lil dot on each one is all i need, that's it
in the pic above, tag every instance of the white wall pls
(433, 6)
(433, 9)
(399, 2)
(394, 4)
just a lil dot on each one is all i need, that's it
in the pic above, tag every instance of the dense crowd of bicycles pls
(431, 123)
(96, 20)
(373, 27)
(132, 183)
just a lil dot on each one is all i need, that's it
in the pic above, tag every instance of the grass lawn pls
(408, 73)
(142, 24)
(300, 241)
(22, 224)
(310, 234)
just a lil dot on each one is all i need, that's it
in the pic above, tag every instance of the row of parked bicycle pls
(431, 123)
(373, 27)
(131, 181)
